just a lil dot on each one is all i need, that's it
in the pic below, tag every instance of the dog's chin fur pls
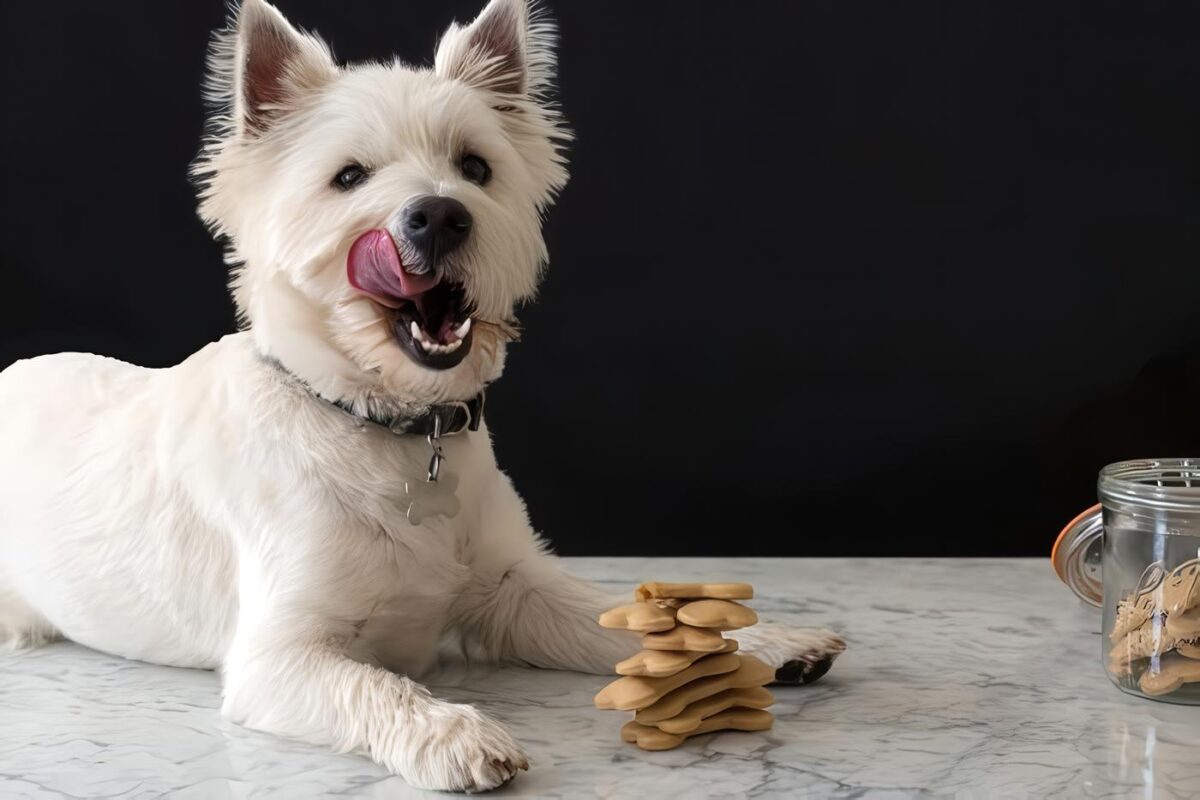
(217, 514)
(266, 184)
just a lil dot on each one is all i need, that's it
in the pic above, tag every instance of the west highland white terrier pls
(276, 506)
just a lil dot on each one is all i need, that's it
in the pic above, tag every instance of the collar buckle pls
(443, 424)
(434, 437)
(448, 409)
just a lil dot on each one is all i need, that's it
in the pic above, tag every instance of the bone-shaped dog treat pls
(1173, 671)
(1173, 594)
(717, 615)
(1144, 642)
(640, 617)
(661, 663)
(690, 718)
(1133, 612)
(1184, 625)
(685, 637)
(1181, 589)
(721, 591)
(633, 692)
(738, 719)
(750, 672)
(1119, 666)
(1154, 639)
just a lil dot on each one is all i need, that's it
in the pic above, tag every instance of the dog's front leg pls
(542, 615)
(305, 687)
(525, 606)
(531, 609)
(535, 612)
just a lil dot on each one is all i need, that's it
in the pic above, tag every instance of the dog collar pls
(436, 421)
(443, 419)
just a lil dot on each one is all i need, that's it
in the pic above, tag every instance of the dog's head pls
(384, 221)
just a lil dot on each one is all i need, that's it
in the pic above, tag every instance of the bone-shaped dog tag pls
(432, 498)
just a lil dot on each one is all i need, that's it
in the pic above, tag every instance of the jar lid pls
(1164, 484)
(1077, 555)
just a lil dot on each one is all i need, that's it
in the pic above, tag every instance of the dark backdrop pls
(830, 278)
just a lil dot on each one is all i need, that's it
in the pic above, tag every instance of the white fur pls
(216, 514)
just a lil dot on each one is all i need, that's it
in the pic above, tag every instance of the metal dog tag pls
(432, 498)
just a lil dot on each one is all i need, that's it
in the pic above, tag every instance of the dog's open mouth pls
(428, 316)
(434, 326)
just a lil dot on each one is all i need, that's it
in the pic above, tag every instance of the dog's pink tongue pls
(374, 267)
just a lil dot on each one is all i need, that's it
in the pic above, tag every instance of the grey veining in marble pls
(979, 678)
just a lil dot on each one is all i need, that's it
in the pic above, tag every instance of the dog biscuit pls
(717, 615)
(720, 591)
(1144, 642)
(1173, 671)
(1175, 596)
(736, 719)
(641, 617)
(685, 637)
(690, 718)
(1184, 625)
(688, 679)
(750, 672)
(1132, 613)
(661, 663)
(1181, 589)
(631, 692)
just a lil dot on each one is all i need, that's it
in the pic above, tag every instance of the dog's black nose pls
(436, 226)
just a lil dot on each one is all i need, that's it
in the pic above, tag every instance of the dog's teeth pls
(462, 330)
(434, 347)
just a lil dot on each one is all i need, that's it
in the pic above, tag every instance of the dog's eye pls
(476, 170)
(351, 175)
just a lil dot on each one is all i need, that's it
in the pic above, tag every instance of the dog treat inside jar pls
(1151, 577)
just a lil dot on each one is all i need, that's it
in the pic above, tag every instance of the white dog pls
(265, 508)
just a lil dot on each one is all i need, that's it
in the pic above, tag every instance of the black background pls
(830, 278)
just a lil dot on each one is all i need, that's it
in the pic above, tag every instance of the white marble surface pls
(979, 678)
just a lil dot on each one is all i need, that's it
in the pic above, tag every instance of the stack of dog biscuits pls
(1157, 632)
(688, 679)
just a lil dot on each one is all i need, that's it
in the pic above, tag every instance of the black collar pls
(442, 419)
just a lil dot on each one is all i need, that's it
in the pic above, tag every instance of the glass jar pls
(1145, 537)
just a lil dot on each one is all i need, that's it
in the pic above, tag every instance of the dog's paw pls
(799, 655)
(458, 748)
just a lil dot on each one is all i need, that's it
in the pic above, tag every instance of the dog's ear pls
(507, 50)
(261, 66)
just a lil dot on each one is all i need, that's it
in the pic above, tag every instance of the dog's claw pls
(799, 672)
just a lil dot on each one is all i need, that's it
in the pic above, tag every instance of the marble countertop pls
(976, 677)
